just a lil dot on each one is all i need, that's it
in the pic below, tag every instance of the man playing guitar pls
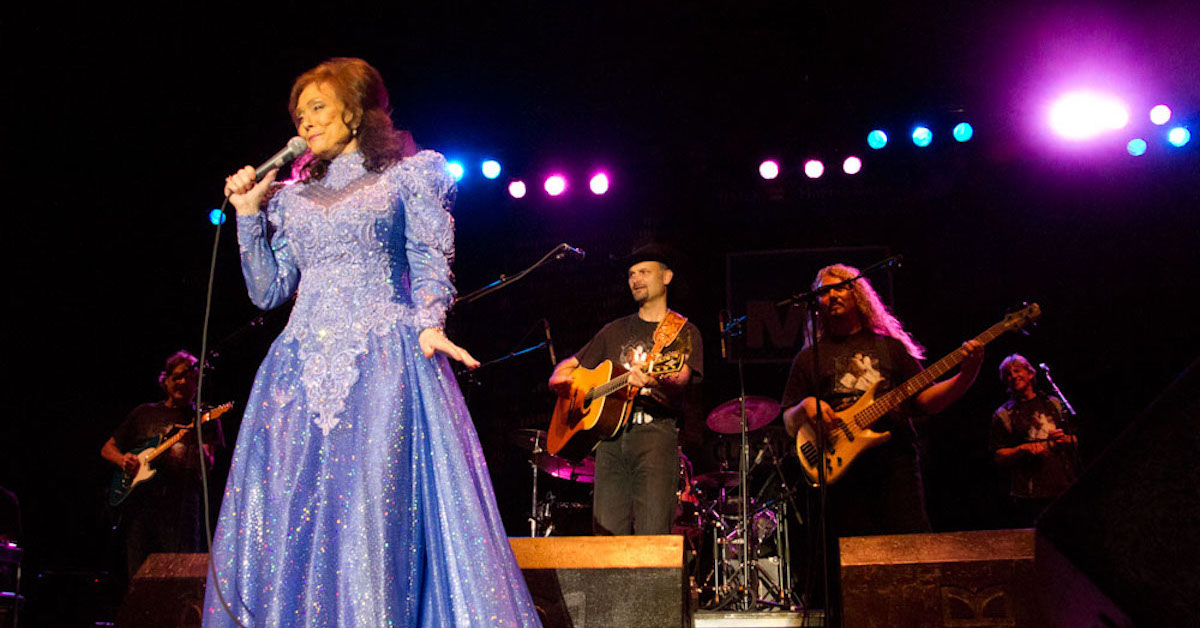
(637, 471)
(163, 515)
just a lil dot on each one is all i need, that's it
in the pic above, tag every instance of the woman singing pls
(358, 494)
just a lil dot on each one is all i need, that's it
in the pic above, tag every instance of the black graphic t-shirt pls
(1028, 421)
(850, 365)
(628, 340)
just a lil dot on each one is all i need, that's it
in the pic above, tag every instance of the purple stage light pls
(768, 169)
(599, 183)
(1083, 115)
(813, 168)
(556, 184)
(852, 165)
(516, 189)
(1160, 114)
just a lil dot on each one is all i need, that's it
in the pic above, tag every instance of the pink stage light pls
(852, 165)
(1083, 115)
(813, 168)
(516, 189)
(768, 169)
(556, 184)
(599, 183)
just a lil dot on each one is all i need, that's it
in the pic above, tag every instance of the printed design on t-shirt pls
(634, 352)
(858, 373)
(1040, 427)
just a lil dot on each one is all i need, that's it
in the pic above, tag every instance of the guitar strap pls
(667, 331)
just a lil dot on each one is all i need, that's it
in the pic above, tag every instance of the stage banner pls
(756, 280)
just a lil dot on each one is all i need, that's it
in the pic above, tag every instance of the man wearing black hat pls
(637, 471)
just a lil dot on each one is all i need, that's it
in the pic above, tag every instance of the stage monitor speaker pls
(601, 581)
(167, 592)
(1122, 546)
(948, 579)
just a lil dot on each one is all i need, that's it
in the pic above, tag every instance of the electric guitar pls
(588, 415)
(123, 483)
(850, 433)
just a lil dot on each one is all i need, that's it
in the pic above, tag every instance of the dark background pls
(122, 123)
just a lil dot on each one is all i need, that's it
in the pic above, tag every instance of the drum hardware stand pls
(811, 300)
(730, 329)
(537, 514)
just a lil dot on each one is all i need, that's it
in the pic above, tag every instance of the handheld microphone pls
(566, 249)
(295, 147)
(549, 341)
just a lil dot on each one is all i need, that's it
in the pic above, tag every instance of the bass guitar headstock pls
(1026, 316)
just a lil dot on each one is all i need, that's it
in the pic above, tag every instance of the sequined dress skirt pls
(387, 520)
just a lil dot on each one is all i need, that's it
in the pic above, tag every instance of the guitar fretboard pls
(922, 380)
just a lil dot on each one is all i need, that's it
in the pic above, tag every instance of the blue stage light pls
(963, 131)
(491, 168)
(216, 217)
(1136, 147)
(1179, 136)
(877, 139)
(922, 136)
(456, 170)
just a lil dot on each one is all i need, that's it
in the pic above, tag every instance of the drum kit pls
(731, 565)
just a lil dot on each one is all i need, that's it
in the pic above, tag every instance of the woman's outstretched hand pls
(433, 340)
(244, 192)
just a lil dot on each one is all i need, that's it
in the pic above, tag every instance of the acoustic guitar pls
(598, 406)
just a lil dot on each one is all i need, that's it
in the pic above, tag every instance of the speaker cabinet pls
(601, 581)
(167, 592)
(949, 579)
(1122, 546)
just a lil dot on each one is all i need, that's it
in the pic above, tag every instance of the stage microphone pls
(895, 261)
(549, 341)
(761, 450)
(722, 321)
(295, 147)
(1044, 367)
(566, 249)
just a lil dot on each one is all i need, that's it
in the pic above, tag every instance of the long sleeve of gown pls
(267, 263)
(429, 239)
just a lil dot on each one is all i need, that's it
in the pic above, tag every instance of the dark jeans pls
(637, 475)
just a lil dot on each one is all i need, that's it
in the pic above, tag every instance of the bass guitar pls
(123, 483)
(850, 435)
(598, 406)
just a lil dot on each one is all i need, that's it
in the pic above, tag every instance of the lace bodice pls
(364, 253)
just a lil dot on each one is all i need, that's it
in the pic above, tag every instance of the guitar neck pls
(610, 387)
(167, 444)
(921, 381)
(208, 416)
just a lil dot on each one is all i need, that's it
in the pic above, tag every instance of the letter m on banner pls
(756, 280)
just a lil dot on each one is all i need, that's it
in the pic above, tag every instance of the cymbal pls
(727, 417)
(582, 471)
(717, 479)
(528, 439)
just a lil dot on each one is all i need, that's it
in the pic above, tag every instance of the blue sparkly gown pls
(358, 494)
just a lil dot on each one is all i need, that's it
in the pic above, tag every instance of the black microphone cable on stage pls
(295, 147)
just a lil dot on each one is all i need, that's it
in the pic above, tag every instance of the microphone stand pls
(1069, 422)
(503, 281)
(749, 597)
